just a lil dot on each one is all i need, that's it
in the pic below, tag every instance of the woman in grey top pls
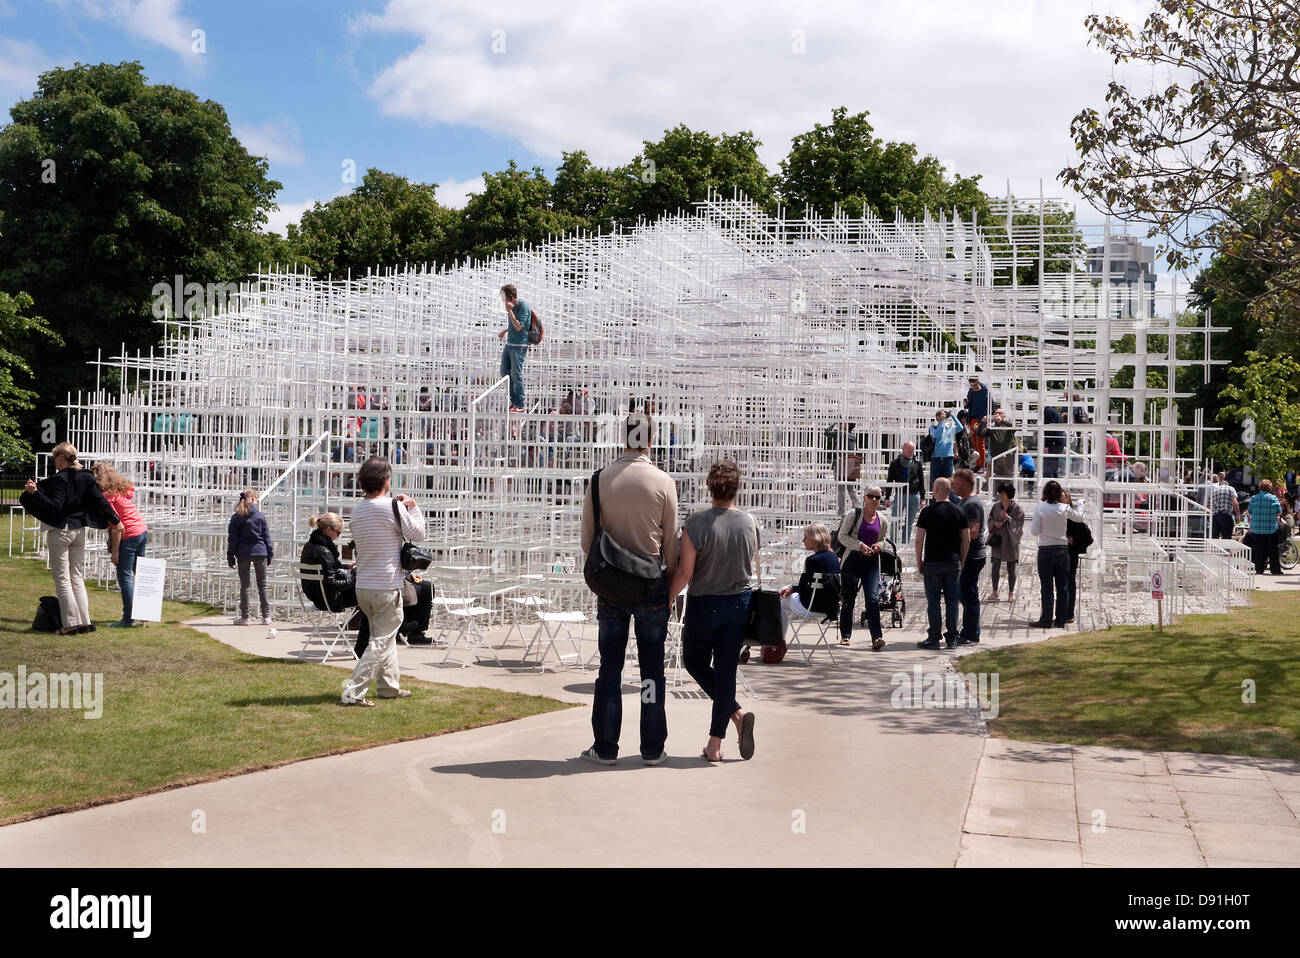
(718, 549)
(1006, 522)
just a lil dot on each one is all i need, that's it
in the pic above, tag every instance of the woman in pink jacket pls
(127, 541)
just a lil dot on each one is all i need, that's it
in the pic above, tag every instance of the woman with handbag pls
(66, 503)
(862, 547)
(719, 547)
(1006, 526)
(380, 526)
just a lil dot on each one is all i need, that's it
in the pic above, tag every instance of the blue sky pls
(443, 91)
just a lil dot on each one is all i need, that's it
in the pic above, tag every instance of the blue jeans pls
(941, 580)
(607, 709)
(512, 365)
(940, 466)
(128, 550)
(866, 572)
(969, 585)
(714, 626)
(1054, 572)
(902, 516)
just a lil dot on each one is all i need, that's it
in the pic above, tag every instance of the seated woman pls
(340, 586)
(798, 599)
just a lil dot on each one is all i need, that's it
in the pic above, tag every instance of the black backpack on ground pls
(49, 618)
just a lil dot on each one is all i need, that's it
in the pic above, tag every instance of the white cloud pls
(277, 140)
(456, 193)
(989, 87)
(159, 21)
(21, 63)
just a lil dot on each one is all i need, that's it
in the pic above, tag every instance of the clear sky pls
(440, 91)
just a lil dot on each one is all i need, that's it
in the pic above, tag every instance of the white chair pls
(529, 599)
(470, 633)
(328, 627)
(819, 621)
(549, 626)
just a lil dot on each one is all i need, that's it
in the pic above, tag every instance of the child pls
(126, 542)
(250, 544)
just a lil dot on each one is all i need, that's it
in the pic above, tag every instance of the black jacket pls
(320, 550)
(912, 473)
(70, 499)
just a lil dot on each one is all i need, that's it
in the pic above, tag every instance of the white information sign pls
(150, 575)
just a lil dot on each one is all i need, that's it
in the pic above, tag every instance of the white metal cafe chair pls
(328, 626)
(820, 622)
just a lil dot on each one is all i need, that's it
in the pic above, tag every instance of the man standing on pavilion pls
(515, 335)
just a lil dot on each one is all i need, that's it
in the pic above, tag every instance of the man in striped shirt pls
(378, 529)
(1225, 508)
(1264, 511)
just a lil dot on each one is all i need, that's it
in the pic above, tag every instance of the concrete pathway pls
(841, 777)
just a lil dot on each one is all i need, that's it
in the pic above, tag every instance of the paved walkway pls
(841, 777)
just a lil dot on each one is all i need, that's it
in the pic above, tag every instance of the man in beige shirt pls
(638, 510)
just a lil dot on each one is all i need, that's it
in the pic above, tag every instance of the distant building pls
(1132, 266)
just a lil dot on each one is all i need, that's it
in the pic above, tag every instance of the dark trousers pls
(714, 627)
(1074, 585)
(651, 619)
(1052, 462)
(1221, 525)
(1263, 549)
(968, 584)
(942, 580)
(860, 571)
(940, 467)
(1054, 576)
(415, 618)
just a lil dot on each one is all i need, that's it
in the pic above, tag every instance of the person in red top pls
(1114, 456)
(127, 541)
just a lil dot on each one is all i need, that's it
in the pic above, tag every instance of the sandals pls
(746, 736)
(844, 641)
(364, 703)
(399, 694)
(705, 755)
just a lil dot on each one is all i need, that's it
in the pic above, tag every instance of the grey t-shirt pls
(973, 510)
(725, 541)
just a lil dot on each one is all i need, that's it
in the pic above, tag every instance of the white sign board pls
(1157, 585)
(150, 574)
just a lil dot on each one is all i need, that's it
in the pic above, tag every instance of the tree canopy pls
(109, 185)
(20, 336)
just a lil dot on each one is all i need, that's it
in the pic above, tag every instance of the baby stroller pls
(890, 585)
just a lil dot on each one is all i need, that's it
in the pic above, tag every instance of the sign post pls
(1158, 593)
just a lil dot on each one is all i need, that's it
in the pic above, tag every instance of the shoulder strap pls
(595, 496)
(400, 531)
(758, 560)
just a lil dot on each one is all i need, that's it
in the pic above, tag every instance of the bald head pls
(941, 489)
(909, 449)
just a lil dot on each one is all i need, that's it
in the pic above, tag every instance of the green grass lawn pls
(1177, 691)
(179, 707)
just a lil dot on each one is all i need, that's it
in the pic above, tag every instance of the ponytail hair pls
(67, 451)
(327, 520)
(246, 500)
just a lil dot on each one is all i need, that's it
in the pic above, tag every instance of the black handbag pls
(414, 557)
(618, 577)
(763, 627)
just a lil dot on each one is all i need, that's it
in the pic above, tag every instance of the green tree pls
(386, 221)
(108, 186)
(845, 163)
(20, 336)
(1182, 157)
(681, 168)
(514, 210)
(1261, 390)
(588, 192)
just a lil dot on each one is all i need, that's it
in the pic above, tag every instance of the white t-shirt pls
(379, 543)
(1049, 522)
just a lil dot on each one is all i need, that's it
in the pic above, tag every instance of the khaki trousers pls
(383, 607)
(67, 549)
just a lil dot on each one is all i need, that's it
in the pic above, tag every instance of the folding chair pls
(530, 598)
(550, 625)
(470, 633)
(328, 627)
(820, 621)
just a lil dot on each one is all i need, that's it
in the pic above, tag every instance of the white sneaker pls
(266, 620)
(591, 756)
(240, 622)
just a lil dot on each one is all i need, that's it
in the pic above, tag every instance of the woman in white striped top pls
(378, 537)
(1048, 525)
